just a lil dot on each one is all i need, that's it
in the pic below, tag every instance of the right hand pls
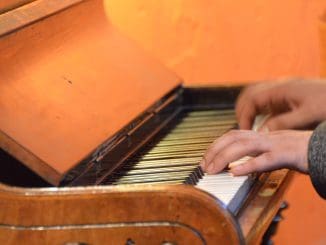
(269, 151)
(295, 104)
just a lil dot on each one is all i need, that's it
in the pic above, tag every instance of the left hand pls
(291, 104)
(269, 151)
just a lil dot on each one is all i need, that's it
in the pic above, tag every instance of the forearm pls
(317, 159)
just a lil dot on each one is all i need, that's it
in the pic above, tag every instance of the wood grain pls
(145, 214)
(6, 5)
(262, 205)
(66, 82)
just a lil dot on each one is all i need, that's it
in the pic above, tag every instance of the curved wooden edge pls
(7, 5)
(262, 204)
(22, 13)
(182, 204)
(125, 233)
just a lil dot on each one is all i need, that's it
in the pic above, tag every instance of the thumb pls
(288, 120)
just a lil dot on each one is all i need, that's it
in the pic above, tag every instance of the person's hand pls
(295, 104)
(269, 151)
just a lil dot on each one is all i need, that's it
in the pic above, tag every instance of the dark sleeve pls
(317, 159)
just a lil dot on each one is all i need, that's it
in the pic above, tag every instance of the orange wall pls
(322, 44)
(221, 40)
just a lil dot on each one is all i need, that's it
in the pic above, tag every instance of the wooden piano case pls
(75, 91)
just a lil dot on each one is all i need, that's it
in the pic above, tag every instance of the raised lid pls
(68, 83)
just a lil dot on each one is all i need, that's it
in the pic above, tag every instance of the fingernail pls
(264, 129)
(234, 164)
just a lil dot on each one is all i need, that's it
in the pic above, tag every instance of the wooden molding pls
(7, 5)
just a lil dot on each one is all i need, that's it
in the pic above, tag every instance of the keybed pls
(173, 156)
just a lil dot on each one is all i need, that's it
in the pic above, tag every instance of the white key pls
(226, 188)
(231, 190)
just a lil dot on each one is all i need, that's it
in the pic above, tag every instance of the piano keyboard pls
(174, 155)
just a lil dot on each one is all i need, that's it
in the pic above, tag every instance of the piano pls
(100, 143)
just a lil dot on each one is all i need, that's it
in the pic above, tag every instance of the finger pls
(290, 120)
(217, 145)
(248, 93)
(250, 146)
(265, 162)
(256, 104)
(263, 100)
(245, 99)
(221, 143)
(247, 116)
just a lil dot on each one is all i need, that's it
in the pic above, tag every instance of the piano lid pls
(11, 4)
(68, 83)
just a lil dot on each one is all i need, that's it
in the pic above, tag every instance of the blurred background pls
(220, 41)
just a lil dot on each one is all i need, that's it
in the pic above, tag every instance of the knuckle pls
(223, 156)
(246, 91)
(257, 98)
(233, 133)
(252, 88)
(244, 143)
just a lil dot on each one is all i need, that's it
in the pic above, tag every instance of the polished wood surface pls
(107, 215)
(146, 214)
(6, 5)
(65, 81)
(263, 204)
